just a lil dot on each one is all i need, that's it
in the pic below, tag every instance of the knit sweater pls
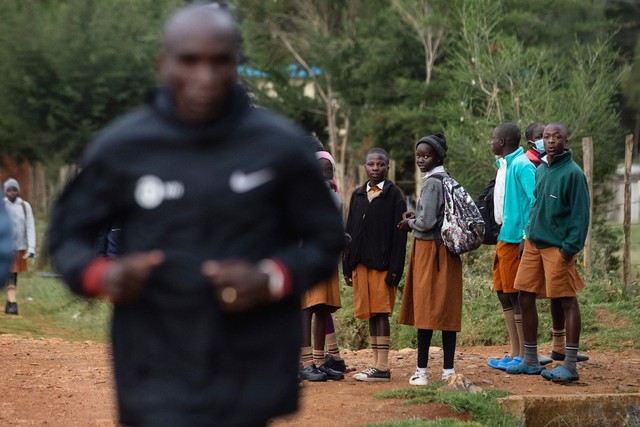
(560, 215)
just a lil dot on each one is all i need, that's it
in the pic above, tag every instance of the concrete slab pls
(610, 410)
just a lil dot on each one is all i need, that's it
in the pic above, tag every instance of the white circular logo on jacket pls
(149, 192)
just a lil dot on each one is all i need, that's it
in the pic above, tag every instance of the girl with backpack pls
(432, 297)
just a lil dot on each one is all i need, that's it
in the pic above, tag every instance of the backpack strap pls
(440, 177)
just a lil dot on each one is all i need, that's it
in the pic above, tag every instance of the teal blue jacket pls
(520, 181)
(560, 215)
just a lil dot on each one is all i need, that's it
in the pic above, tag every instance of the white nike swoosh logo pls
(241, 182)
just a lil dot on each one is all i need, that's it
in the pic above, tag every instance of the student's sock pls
(571, 358)
(374, 348)
(318, 357)
(558, 340)
(510, 323)
(332, 346)
(531, 353)
(383, 353)
(420, 370)
(331, 339)
(517, 319)
(306, 357)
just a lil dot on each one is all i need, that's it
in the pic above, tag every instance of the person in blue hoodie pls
(513, 198)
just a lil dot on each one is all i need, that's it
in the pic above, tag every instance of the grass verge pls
(482, 407)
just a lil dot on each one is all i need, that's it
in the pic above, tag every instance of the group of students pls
(543, 215)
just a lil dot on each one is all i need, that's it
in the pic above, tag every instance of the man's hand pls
(125, 279)
(348, 281)
(238, 285)
(520, 249)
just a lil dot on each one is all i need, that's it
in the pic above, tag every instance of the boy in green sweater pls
(557, 229)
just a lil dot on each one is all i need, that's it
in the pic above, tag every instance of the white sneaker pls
(419, 378)
(446, 373)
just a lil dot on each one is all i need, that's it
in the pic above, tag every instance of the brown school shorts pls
(505, 267)
(546, 271)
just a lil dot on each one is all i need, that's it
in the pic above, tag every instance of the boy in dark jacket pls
(374, 262)
(557, 229)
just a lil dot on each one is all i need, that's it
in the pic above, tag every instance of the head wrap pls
(11, 182)
(438, 142)
(326, 155)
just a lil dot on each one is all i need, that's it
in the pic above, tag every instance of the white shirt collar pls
(380, 185)
(437, 169)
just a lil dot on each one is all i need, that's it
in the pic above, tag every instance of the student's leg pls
(509, 314)
(12, 306)
(449, 350)
(306, 355)
(332, 359)
(384, 339)
(573, 323)
(530, 364)
(331, 339)
(424, 342)
(309, 370)
(319, 331)
(373, 337)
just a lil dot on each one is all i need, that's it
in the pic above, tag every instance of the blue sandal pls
(495, 363)
(560, 375)
(523, 368)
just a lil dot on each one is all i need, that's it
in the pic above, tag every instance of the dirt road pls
(62, 383)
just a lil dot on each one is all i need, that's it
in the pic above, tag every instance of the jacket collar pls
(509, 157)
(221, 126)
(558, 159)
(363, 188)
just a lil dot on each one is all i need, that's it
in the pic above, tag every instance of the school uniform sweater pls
(518, 198)
(376, 241)
(23, 224)
(560, 215)
(245, 186)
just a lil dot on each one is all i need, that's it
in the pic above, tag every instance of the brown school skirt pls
(371, 295)
(326, 292)
(19, 262)
(432, 297)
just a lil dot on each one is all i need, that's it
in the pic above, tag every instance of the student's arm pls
(31, 229)
(398, 241)
(431, 199)
(346, 270)
(578, 225)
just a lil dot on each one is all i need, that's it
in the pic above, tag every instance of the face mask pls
(539, 145)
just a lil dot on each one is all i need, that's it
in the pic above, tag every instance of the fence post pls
(587, 160)
(626, 225)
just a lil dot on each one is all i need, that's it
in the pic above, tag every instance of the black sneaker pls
(331, 374)
(311, 373)
(336, 365)
(11, 308)
(560, 357)
(373, 374)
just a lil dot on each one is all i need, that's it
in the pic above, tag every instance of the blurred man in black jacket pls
(214, 198)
